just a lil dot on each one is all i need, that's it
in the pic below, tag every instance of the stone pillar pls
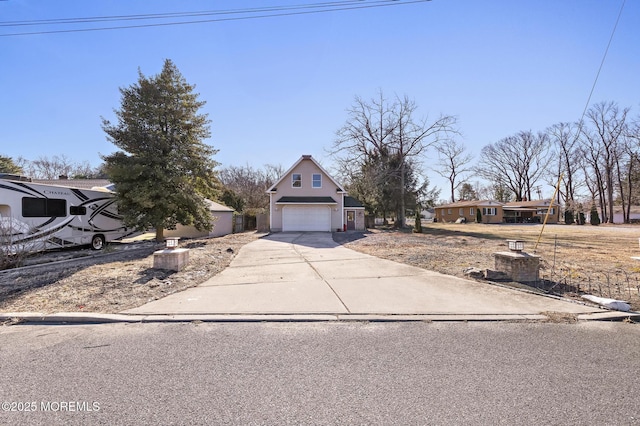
(171, 259)
(519, 266)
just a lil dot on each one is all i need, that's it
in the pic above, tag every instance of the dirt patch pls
(574, 259)
(116, 282)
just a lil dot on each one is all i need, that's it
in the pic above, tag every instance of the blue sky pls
(278, 88)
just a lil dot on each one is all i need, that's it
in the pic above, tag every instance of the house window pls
(296, 180)
(472, 211)
(461, 212)
(316, 180)
(448, 211)
(544, 211)
(488, 211)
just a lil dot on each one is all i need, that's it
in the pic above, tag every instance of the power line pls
(604, 56)
(595, 81)
(170, 14)
(263, 13)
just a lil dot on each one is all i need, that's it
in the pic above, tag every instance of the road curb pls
(98, 318)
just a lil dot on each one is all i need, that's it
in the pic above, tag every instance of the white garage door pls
(306, 218)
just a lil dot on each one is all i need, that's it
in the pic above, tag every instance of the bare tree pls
(453, 162)
(250, 184)
(566, 141)
(633, 173)
(58, 166)
(518, 162)
(594, 176)
(389, 129)
(626, 165)
(609, 125)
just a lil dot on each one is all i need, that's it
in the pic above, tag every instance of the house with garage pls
(308, 198)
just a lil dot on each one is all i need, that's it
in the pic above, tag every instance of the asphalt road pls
(321, 373)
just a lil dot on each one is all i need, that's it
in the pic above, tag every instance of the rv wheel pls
(97, 242)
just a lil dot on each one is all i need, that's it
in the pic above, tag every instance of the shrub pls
(594, 216)
(11, 254)
(568, 217)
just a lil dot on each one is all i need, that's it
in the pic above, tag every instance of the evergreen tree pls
(594, 216)
(467, 193)
(568, 217)
(164, 170)
(7, 165)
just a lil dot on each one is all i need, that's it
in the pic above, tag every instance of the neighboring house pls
(496, 212)
(222, 224)
(467, 210)
(530, 212)
(427, 214)
(618, 216)
(307, 198)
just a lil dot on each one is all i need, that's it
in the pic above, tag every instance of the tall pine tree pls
(163, 170)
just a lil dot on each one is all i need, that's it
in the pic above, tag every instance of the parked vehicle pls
(36, 217)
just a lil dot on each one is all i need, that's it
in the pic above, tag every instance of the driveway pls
(308, 273)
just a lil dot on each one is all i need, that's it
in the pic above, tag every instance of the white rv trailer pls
(36, 217)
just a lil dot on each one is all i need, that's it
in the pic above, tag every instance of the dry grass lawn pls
(574, 259)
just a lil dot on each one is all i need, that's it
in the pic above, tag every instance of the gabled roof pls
(472, 203)
(305, 157)
(217, 207)
(352, 202)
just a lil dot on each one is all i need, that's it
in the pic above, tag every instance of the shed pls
(222, 225)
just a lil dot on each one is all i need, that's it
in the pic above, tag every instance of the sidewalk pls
(309, 277)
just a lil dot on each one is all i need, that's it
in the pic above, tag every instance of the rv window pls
(44, 207)
(77, 210)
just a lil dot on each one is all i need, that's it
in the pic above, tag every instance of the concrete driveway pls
(308, 273)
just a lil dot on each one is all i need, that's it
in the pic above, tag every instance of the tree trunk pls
(402, 206)
(159, 234)
(453, 196)
(609, 176)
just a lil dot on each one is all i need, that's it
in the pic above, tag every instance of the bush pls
(568, 217)
(11, 255)
(594, 216)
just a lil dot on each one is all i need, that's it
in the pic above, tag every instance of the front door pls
(351, 220)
